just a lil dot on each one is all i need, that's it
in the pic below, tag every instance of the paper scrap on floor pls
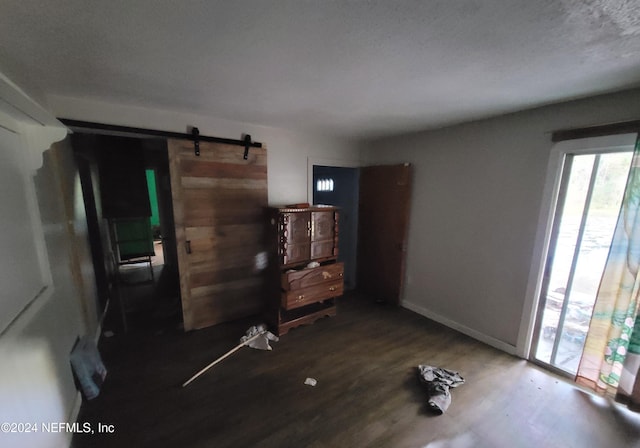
(438, 382)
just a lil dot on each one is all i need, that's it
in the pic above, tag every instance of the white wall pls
(36, 382)
(477, 196)
(22, 277)
(287, 151)
(476, 200)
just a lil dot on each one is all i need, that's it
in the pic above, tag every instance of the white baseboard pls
(73, 416)
(75, 411)
(96, 337)
(500, 345)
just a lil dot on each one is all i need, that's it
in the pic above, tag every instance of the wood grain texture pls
(219, 201)
(302, 278)
(218, 170)
(368, 393)
(312, 294)
(297, 236)
(383, 224)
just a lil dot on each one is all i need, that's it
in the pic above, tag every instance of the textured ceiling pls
(348, 68)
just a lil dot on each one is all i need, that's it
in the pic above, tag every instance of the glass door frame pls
(553, 198)
(548, 264)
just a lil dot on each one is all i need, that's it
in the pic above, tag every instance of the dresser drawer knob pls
(300, 297)
(332, 288)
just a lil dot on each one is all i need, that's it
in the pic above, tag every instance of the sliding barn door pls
(218, 205)
(383, 223)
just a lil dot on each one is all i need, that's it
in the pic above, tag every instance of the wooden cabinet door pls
(322, 249)
(296, 228)
(322, 225)
(323, 243)
(218, 205)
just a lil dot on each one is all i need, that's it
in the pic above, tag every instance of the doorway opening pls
(154, 220)
(339, 186)
(127, 196)
(590, 192)
(375, 204)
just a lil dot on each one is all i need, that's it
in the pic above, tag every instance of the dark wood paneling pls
(199, 168)
(227, 304)
(219, 201)
(209, 276)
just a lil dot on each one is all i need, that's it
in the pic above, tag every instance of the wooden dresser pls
(299, 294)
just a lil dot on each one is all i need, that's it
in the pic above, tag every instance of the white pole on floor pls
(226, 355)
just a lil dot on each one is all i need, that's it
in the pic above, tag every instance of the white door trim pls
(609, 143)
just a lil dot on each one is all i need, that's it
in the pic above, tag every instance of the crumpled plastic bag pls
(438, 382)
(261, 342)
(88, 367)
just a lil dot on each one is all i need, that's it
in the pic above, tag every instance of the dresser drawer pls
(312, 294)
(308, 277)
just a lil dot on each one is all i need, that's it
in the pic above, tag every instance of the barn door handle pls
(188, 246)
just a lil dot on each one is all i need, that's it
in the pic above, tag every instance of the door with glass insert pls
(589, 200)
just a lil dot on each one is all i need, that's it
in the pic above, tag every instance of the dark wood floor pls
(367, 394)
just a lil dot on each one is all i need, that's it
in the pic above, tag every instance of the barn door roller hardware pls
(247, 144)
(88, 126)
(195, 132)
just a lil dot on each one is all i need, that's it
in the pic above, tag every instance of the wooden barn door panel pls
(218, 205)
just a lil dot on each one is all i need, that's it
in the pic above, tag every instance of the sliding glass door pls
(590, 194)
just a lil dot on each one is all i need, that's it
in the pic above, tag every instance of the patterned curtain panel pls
(629, 390)
(609, 363)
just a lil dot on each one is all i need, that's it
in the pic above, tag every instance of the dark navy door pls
(339, 186)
